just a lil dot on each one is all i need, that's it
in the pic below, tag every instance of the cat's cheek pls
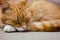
(9, 28)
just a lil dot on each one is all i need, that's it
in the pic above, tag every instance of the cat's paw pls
(21, 29)
(9, 28)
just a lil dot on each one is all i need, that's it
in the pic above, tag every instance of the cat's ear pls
(4, 5)
(1, 1)
(23, 3)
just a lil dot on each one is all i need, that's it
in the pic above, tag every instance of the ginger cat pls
(38, 15)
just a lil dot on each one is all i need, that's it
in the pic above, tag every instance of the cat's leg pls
(44, 25)
(9, 28)
(53, 25)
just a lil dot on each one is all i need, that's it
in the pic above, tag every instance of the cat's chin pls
(9, 28)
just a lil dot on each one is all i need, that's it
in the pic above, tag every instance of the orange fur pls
(38, 16)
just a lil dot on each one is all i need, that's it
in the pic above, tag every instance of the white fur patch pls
(20, 29)
(9, 28)
(38, 25)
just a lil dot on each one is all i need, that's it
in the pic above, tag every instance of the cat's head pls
(13, 12)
